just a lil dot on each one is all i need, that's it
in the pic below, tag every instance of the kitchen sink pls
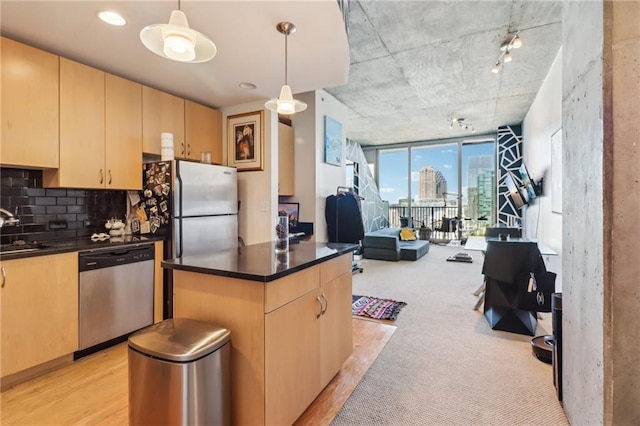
(22, 247)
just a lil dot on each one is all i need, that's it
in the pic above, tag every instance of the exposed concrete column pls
(601, 211)
(621, 88)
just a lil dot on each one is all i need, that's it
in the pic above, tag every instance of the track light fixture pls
(505, 57)
(461, 123)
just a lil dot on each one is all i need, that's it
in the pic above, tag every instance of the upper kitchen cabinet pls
(286, 165)
(123, 136)
(82, 153)
(100, 130)
(30, 91)
(203, 131)
(162, 113)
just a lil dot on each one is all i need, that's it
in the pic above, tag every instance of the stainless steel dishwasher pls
(115, 293)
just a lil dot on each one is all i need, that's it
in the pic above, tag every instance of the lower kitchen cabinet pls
(39, 298)
(292, 358)
(289, 336)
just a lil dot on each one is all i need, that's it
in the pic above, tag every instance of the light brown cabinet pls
(123, 133)
(30, 90)
(162, 113)
(100, 130)
(39, 298)
(203, 131)
(290, 336)
(286, 160)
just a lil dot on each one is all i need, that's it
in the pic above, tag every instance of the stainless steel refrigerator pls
(194, 206)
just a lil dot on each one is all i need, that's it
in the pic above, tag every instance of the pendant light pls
(285, 104)
(178, 42)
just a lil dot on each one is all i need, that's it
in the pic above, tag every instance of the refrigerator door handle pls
(177, 240)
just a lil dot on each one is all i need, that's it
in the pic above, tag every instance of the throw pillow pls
(407, 234)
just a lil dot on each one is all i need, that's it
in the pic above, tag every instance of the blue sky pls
(393, 167)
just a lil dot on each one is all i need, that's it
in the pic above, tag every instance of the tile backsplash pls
(54, 214)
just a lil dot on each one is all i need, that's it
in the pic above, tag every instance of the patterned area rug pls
(372, 307)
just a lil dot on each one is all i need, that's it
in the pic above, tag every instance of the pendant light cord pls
(286, 36)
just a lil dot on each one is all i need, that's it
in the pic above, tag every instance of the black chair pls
(494, 232)
(503, 262)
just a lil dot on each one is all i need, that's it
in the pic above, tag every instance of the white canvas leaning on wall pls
(556, 171)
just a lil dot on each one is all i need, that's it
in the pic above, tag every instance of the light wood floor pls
(94, 390)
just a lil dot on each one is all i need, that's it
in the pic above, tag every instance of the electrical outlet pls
(264, 206)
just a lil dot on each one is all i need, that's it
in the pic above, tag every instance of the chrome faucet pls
(8, 219)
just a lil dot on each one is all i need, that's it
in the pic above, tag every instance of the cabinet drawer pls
(335, 267)
(286, 289)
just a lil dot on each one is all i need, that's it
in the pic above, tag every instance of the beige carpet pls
(444, 365)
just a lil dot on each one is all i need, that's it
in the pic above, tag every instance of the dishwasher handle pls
(91, 260)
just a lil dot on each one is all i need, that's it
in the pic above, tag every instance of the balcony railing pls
(432, 218)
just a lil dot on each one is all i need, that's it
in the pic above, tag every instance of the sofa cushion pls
(381, 253)
(386, 238)
(413, 250)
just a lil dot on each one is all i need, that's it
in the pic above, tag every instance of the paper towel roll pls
(166, 146)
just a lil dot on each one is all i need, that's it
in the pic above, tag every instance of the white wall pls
(304, 133)
(258, 199)
(541, 122)
(315, 179)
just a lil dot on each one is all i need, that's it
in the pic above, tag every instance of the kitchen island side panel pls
(237, 305)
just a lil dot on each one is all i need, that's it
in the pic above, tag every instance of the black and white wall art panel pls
(509, 160)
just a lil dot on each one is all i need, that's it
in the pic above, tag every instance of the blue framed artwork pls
(332, 141)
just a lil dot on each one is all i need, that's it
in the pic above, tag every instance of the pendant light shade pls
(177, 41)
(285, 104)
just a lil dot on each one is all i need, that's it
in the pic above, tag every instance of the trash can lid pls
(179, 339)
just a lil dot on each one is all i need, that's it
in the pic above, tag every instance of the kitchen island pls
(289, 317)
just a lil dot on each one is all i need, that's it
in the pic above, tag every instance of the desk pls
(480, 244)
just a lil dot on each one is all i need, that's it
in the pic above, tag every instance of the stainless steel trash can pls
(179, 374)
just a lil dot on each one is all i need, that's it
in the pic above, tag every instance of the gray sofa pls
(385, 244)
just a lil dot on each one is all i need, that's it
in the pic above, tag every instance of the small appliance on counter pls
(193, 205)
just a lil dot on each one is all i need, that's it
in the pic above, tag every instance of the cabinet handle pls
(320, 303)
(101, 176)
(188, 149)
(110, 177)
(4, 277)
(326, 303)
(182, 144)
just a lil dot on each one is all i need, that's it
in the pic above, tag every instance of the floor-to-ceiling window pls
(449, 187)
(393, 182)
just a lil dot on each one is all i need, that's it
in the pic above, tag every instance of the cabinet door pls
(30, 118)
(292, 379)
(123, 134)
(82, 154)
(162, 113)
(286, 160)
(336, 331)
(39, 310)
(203, 131)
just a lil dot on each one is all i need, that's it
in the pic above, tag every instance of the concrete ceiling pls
(415, 64)
(412, 64)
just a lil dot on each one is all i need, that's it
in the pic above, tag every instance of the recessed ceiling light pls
(247, 86)
(112, 18)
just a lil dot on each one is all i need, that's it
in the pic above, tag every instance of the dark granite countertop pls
(258, 262)
(65, 246)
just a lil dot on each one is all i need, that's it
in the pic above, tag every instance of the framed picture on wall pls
(332, 141)
(245, 141)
